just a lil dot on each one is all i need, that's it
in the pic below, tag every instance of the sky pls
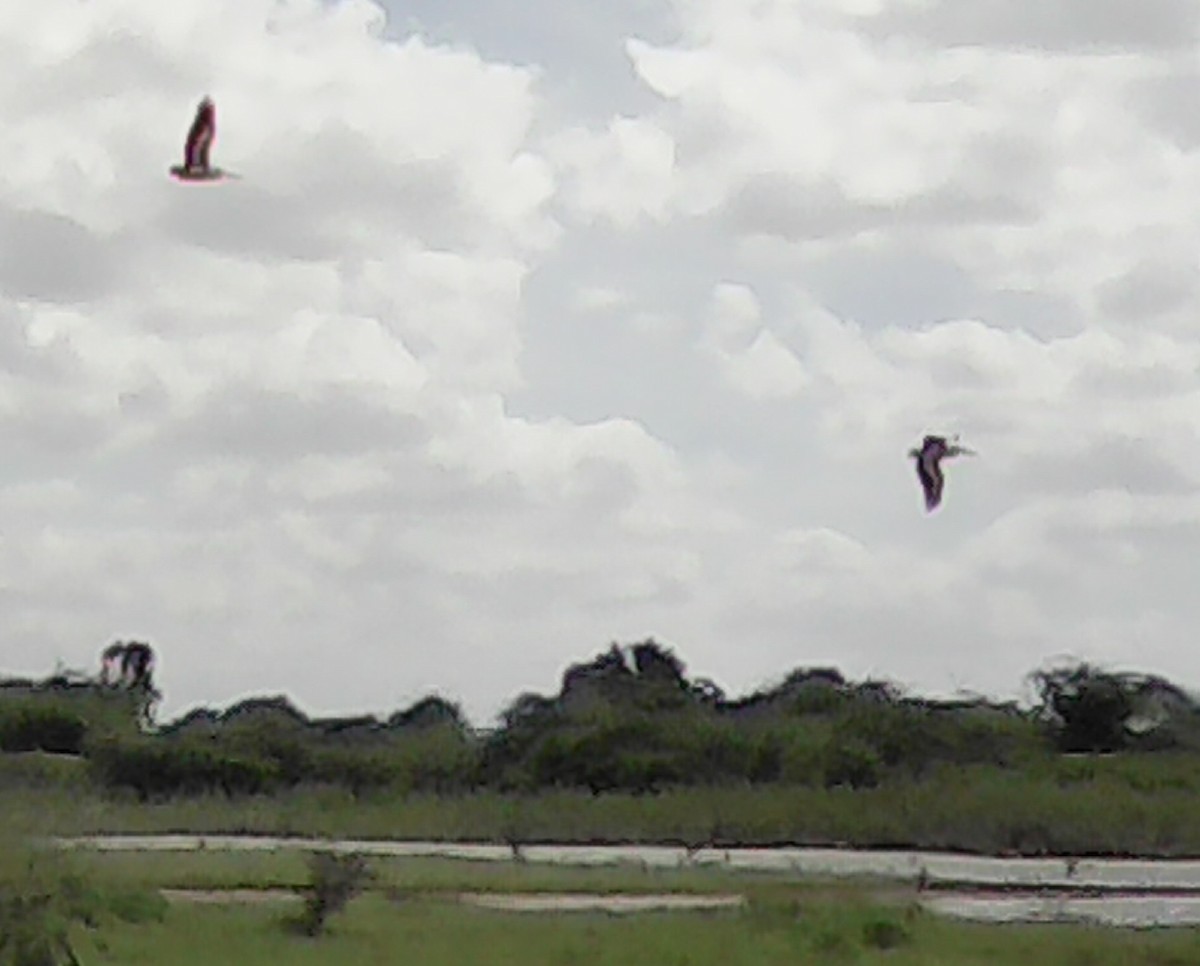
(537, 325)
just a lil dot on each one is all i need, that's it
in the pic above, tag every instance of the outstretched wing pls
(930, 473)
(200, 136)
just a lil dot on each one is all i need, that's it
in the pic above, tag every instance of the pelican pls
(929, 458)
(200, 137)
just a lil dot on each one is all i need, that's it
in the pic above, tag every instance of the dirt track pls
(933, 868)
(506, 902)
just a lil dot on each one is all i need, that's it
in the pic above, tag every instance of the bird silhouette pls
(200, 137)
(929, 458)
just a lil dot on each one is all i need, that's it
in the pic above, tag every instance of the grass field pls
(431, 876)
(376, 930)
(411, 914)
(1087, 806)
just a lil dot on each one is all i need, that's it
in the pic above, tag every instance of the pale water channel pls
(1128, 892)
(1145, 910)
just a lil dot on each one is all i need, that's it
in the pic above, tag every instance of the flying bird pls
(200, 137)
(929, 458)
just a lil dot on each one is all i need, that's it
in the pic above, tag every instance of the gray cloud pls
(1061, 25)
(779, 204)
(1148, 289)
(1131, 465)
(112, 65)
(53, 258)
(272, 425)
(248, 220)
(344, 177)
(1167, 103)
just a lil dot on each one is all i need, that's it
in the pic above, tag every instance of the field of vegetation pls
(377, 930)
(107, 908)
(630, 749)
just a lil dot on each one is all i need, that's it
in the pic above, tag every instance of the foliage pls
(45, 903)
(335, 880)
(431, 712)
(37, 914)
(1092, 710)
(630, 721)
(29, 726)
(884, 932)
(437, 931)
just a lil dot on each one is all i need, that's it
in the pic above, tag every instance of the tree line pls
(631, 719)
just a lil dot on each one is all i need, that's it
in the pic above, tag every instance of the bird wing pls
(201, 133)
(932, 481)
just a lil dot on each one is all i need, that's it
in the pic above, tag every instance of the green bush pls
(852, 763)
(31, 727)
(156, 769)
(44, 903)
(884, 933)
(335, 880)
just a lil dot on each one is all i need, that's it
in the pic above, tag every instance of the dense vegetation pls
(632, 723)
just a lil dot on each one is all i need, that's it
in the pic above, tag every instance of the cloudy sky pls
(535, 325)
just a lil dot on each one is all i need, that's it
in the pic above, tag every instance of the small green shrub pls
(39, 907)
(884, 933)
(336, 879)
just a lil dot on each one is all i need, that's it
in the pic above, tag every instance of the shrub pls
(39, 908)
(884, 933)
(31, 728)
(852, 763)
(156, 768)
(336, 879)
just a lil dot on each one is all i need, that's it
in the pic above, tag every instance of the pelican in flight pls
(929, 458)
(200, 137)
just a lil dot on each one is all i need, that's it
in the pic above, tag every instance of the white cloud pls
(274, 372)
(815, 127)
(623, 173)
(477, 370)
(752, 358)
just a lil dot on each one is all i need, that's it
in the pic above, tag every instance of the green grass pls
(288, 869)
(40, 770)
(971, 810)
(1143, 804)
(410, 916)
(377, 931)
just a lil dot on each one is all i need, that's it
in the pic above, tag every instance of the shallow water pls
(579, 902)
(1120, 910)
(501, 901)
(1142, 911)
